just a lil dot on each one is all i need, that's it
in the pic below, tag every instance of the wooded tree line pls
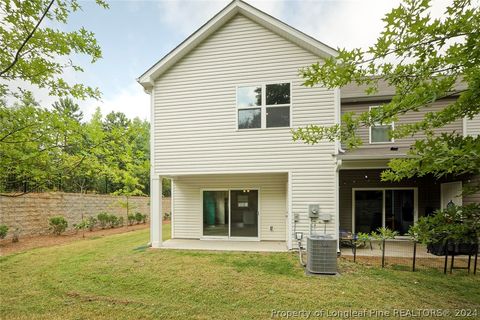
(55, 149)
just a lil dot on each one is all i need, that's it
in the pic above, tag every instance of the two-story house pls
(223, 104)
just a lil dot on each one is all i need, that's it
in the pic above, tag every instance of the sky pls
(135, 34)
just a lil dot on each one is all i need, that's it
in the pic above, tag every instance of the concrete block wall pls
(30, 213)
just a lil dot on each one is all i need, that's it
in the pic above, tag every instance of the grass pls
(118, 277)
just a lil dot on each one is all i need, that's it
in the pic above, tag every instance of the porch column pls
(156, 211)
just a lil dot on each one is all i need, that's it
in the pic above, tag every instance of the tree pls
(36, 53)
(425, 60)
(43, 149)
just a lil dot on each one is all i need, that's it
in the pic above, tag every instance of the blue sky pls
(134, 34)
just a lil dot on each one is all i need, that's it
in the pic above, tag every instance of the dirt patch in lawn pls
(26, 243)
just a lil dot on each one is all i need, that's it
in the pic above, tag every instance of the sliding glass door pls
(244, 213)
(391, 208)
(230, 213)
(368, 210)
(215, 213)
(399, 210)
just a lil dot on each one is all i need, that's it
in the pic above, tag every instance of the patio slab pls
(225, 245)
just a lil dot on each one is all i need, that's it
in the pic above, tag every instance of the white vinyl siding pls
(196, 116)
(473, 126)
(272, 204)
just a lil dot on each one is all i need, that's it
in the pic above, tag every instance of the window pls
(263, 106)
(380, 132)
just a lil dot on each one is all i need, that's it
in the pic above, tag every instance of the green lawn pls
(117, 277)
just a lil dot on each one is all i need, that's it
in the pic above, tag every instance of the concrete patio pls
(225, 245)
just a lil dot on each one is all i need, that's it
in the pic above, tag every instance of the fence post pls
(383, 253)
(475, 263)
(414, 254)
(446, 257)
(355, 251)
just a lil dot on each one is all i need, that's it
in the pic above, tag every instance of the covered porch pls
(367, 203)
(228, 211)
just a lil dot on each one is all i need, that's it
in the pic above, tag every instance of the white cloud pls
(132, 101)
(342, 23)
(186, 16)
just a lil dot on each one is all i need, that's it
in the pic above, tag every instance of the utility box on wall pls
(313, 211)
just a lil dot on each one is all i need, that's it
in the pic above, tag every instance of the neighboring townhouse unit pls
(223, 104)
(366, 202)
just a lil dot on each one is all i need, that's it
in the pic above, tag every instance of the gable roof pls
(233, 8)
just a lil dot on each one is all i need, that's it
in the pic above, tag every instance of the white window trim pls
(392, 140)
(263, 106)
(415, 205)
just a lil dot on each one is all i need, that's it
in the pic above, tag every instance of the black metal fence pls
(406, 254)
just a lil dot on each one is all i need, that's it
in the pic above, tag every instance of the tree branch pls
(30, 35)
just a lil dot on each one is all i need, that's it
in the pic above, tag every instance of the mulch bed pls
(30, 242)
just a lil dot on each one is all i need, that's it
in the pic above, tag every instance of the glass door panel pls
(215, 213)
(244, 213)
(399, 206)
(368, 210)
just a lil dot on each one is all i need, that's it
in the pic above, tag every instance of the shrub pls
(3, 231)
(131, 219)
(113, 220)
(167, 215)
(58, 225)
(103, 219)
(384, 234)
(138, 217)
(120, 222)
(455, 224)
(144, 218)
(92, 222)
(86, 223)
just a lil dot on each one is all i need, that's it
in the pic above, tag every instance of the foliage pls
(3, 231)
(424, 60)
(113, 220)
(120, 222)
(58, 224)
(361, 236)
(86, 223)
(459, 224)
(37, 51)
(131, 219)
(384, 233)
(139, 217)
(92, 222)
(42, 150)
(109, 220)
(103, 219)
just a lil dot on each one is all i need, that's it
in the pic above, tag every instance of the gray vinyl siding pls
(473, 126)
(272, 205)
(404, 143)
(475, 197)
(195, 116)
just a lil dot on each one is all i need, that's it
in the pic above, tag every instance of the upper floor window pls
(380, 132)
(263, 106)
